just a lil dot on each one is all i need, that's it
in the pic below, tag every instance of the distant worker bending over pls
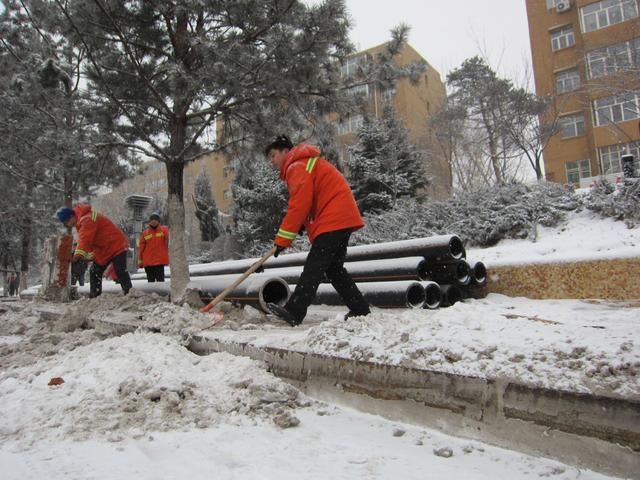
(99, 241)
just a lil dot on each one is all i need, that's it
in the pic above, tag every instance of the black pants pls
(155, 273)
(122, 275)
(326, 257)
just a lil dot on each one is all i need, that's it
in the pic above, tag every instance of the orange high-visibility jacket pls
(319, 197)
(99, 239)
(154, 246)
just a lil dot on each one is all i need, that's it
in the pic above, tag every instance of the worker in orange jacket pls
(99, 241)
(321, 201)
(153, 254)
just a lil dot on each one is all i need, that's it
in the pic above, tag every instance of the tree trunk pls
(175, 172)
(177, 252)
(25, 255)
(5, 274)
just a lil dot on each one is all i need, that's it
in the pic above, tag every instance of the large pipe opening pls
(276, 291)
(456, 247)
(463, 272)
(479, 272)
(433, 295)
(416, 296)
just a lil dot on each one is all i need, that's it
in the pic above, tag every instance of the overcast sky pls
(445, 32)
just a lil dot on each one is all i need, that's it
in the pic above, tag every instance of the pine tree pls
(206, 210)
(259, 202)
(384, 165)
(52, 151)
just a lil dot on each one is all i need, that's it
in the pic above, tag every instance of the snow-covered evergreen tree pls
(206, 209)
(52, 151)
(259, 203)
(384, 165)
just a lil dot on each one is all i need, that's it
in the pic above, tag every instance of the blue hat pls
(64, 214)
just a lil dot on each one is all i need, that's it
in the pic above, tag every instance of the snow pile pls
(584, 236)
(150, 311)
(28, 334)
(572, 345)
(127, 386)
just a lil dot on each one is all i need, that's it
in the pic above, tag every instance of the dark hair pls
(154, 216)
(281, 142)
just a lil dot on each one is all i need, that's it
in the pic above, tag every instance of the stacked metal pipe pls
(428, 272)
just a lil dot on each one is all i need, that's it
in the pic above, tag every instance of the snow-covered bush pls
(484, 217)
(622, 203)
(480, 218)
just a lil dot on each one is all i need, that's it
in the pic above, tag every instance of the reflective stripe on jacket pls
(99, 239)
(319, 197)
(154, 246)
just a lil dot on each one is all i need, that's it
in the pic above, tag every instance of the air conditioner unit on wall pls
(563, 6)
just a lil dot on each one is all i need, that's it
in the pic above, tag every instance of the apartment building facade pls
(414, 104)
(586, 57)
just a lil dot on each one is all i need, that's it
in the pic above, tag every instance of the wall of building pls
(414, 104)
(543, 21)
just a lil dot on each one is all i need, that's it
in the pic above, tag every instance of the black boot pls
(351, 314)
(283, 314)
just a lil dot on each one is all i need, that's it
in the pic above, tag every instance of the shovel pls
(219, 316)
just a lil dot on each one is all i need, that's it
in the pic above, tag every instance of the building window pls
(359, 91)
(607, 12)
(615, 109)
(567, 80)
(611, 156)
(572, 125)
(388, 94)
(562, 38)
(350, 124)
(614, 58)
(350, 66)
(577, 170)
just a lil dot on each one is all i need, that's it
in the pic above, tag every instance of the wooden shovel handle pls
(238, 281)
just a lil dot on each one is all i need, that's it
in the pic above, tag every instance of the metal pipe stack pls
(428, 272)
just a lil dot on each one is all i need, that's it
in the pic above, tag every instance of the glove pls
(278, 250)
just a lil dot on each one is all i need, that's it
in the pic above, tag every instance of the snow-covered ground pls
(584, 237)
(141, 406)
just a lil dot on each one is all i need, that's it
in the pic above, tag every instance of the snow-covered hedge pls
(484, 217)
(480, 218)
(621, 203)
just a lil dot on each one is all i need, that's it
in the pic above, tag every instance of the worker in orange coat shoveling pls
(321, 201)
(99, 241)
(154, 249)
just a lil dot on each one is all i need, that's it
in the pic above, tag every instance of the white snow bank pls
(574, 345)
(585, 236)
(130, 385)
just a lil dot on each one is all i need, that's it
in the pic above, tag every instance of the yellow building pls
(586, 55)
(413, 102)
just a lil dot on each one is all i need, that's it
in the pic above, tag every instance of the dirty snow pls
(141, 406)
